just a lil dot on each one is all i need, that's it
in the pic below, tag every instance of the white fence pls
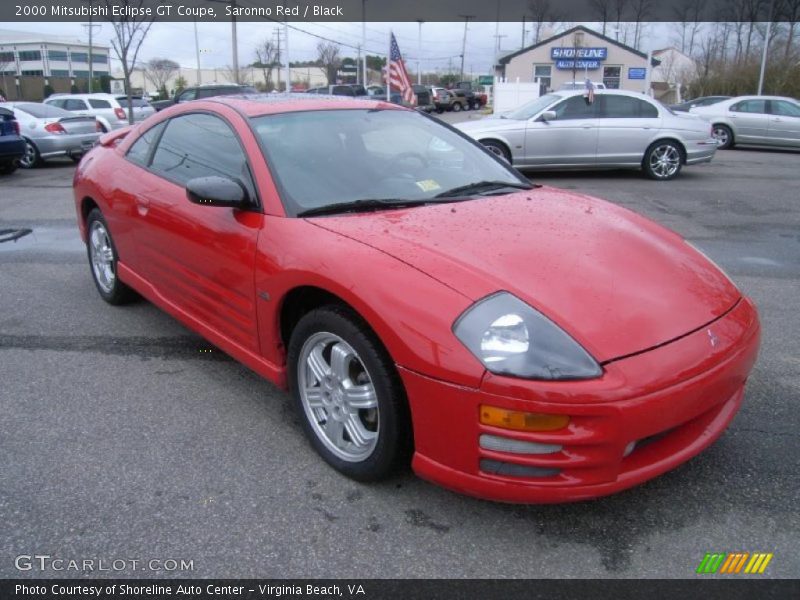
(508, 95)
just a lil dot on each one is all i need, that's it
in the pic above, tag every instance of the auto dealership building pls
(575, 55)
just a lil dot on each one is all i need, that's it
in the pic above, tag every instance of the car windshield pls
(330, 157)
(526, 111)
(137, 102)
(43, 111)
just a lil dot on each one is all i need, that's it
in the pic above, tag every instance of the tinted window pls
(625, 107)
(787, 109)
(209, 92)
(74, 104)
(342, 90)
(137, 102)
(140, 151)
(575, 107)
(58, 103)
(199, 145)
(99, 103)
(187, 95)
(750, 106)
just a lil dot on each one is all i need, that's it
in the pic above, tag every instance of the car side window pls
(625, 107)
(783, 108)
(94, 103)
(140, 151)
(73, 105)
(574, 107)
(207, 92)
(199, 145)
(187, 95)
(58, 103)
(750, 106)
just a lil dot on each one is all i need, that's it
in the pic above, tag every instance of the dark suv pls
(204, 91)
(12, 146)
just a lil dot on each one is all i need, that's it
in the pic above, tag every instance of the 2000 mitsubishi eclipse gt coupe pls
(420, 299)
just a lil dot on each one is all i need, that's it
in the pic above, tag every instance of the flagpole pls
(388, 69)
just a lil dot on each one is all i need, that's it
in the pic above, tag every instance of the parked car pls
(760, 120)
(199, 92)
(697, 102)
(472, 98)
(458, 100)
(50, 132)
(12, 145)
(424, 98)
(580, 85)
(342, 89)
(562, 130)
(141, 107)
(442, 99)
(109, 109)
(419, 297)
(379, 93)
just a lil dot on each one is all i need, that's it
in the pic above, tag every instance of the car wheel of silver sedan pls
(31, 157)
(663, 160)
(497, 149)
(723, 135)
(103, 260)
(347, 391)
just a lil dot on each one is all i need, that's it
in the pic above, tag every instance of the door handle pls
(587, 127)
(777, 120)
(647, 127)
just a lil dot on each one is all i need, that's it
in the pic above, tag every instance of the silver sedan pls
(50, 131)
(758, 120)
(564, 130)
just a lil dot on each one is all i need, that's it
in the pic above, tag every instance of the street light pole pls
(364, 38)
(766, 49)
(286, 51)
(197, 51)
(419, 53)
(467, 19)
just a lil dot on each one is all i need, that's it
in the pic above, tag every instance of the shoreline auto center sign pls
(578, 58)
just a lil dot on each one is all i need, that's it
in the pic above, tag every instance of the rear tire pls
(724, 136)
(347, 392)
(31, 157)
(103, 261)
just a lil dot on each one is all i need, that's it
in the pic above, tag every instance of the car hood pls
(618, 283)
(496, 124)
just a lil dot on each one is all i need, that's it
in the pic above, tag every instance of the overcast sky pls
(441, 42)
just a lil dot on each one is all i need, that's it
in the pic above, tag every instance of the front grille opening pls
(496, 467)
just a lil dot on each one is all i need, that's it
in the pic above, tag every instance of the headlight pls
(511, 338)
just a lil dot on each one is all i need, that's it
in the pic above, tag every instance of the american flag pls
(398, 76)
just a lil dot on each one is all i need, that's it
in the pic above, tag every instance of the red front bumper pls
(674, 401)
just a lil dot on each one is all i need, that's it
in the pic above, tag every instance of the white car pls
(562, 130)
(110, 110)
(580, 85)
(759, 120)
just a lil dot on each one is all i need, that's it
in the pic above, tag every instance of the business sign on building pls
(586, 53)
(578, 64)
(637, 73)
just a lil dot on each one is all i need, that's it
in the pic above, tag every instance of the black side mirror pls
(217, 191)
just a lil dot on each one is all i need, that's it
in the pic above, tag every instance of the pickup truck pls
(473, 98)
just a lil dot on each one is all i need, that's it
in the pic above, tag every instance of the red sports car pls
(419, 297)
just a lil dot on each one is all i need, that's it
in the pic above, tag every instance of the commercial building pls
(575, 55)
(29, 61)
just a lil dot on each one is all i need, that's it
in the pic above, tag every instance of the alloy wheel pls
(28, 160)
(665, 160)
(721, 135)
(338, 396)
(102, 257)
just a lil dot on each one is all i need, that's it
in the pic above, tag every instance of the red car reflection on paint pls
(418, 297)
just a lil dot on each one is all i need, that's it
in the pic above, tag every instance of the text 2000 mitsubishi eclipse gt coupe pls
(420, 298)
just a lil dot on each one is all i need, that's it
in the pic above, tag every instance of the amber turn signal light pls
(521, 421)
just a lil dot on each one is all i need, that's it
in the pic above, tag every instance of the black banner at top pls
(609, 11)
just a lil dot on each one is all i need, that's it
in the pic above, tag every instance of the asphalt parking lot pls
(120, 439)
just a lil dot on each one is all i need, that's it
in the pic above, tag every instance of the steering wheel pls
(410, 156)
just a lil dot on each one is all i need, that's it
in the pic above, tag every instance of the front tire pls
(497, 149)
(663, 160)
(349, 396)
(103, 260)
(724, 136)
(457, 107)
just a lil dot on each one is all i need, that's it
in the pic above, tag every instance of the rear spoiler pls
(112, 138)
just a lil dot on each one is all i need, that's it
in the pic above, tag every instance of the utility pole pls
(467, 19)
(364, 37)
(286, 52)
(234, 43)
(91, 27)
(197, 52)
(766, 49)
(419, 53)
(276, 33)
(523, 32)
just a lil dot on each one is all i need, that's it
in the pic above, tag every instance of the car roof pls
(604, 92)
(82, 96)
(253, 105)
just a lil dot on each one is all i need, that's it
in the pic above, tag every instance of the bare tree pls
(689, 16)
(4, 63)
(641, 11)
(789, 11)
(329, 59)
(542, 13)
(618, 15)
(159, 71)
(242, 75)
(601, 10)
(268, 55)
(130, 30)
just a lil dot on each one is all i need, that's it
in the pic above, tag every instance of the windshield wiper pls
(360, 206)
(483, 186)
